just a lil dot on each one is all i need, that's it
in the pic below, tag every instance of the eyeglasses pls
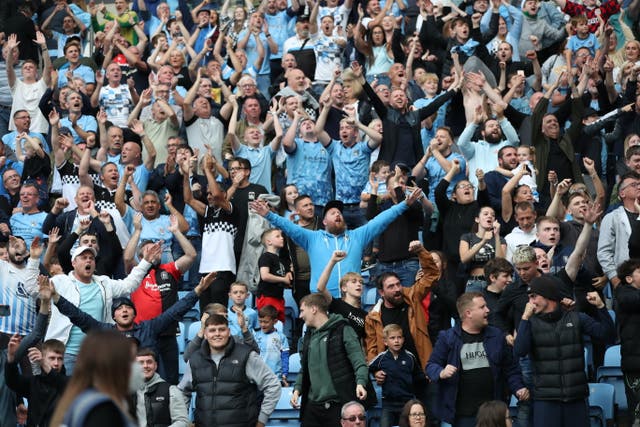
(466, 186)
(354, 418)
(22, 117)
(28, 194)
(235, 169)
(417, 415)
(248, 85)
(634, 184)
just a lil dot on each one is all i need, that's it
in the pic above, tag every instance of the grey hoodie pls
(177, 407)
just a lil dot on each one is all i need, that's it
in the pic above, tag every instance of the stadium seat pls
(192, 331)
(601, 404)
(370, 299)
(180, 338)
(284, 411)
(290, 315)
(294, 367)
(611, 373)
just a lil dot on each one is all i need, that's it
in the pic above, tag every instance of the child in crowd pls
(399, 372)
(499, 274)
(351, 288)
(526, 158)
(379, 172)
(429, 83)
(238, 293)
(274, 277)
(582, 38)
(274, 347)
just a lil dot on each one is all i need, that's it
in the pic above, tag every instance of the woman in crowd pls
(414, 414)
(481, 245)
(105, 373)
(458, 214)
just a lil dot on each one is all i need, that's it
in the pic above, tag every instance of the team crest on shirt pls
(21, 291)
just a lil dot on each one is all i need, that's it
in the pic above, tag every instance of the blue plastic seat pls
(284, 411)
(370, 298)
(611, 373)
(601, 404)
(294, 368)
(612, 356)
(180, 338)
(193, 331)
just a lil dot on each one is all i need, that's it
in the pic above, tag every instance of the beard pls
(18, 258)
(337, 229)
(493, 138)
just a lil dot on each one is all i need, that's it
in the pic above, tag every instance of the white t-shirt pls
(27, 97)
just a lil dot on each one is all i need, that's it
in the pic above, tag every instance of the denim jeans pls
(525, 417)
(263, 81)
(383, 79)
(390, 417)
(353, 216)
(69, 362)
(475, 285)
(405, 269)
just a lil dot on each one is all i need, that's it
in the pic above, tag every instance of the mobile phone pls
(520, 73)
(5, 310)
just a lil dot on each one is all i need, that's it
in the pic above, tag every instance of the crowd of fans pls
(231, 151)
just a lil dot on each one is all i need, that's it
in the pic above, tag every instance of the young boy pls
(380, 171)
(274, 277)
(582, 38)
(274, 347)
(429, 83)
(499, 274)
(399, 372)
(238, 293)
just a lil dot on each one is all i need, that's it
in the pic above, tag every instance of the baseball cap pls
(332, 204)
(81, 249)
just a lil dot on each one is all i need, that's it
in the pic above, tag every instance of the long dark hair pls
(104, 363)
(492, 414)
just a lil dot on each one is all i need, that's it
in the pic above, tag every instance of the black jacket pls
(42, 392)
(628, 318)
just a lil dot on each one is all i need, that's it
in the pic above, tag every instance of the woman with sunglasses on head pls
(458, 214)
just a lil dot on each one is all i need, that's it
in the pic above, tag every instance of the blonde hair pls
(391, 327)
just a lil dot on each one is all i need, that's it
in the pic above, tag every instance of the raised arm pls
(130, 250)
(574, 262)
(336, 257)
(137, 127)
(507, 191)
(556, 209)
(195, 204)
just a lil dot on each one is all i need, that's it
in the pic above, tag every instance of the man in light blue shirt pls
(350, 159)
(483, 153)
(260, 157)
(309, 153)
(28, 223)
